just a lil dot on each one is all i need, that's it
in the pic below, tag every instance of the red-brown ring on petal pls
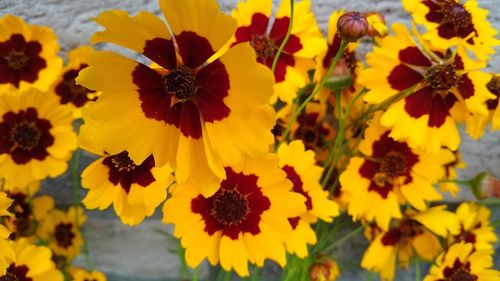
(25, 226)
(465, 86)
(312, 131)
(390, 160)
(298, 186)
(465, 236)
(412, 55)
(459, 272)
(20, 60)
(425, 102)
(123, 171)
(16, 273)
(64, 235)
(161, 51)
(257, 28)
(392, 237)
(294, 222)
(410, 228)
(193, 49)
(70, 92)
(235, 208)
(494, 88)
(402, 77)
(25, 136)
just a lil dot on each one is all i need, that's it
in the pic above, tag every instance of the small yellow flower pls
(7, 255)
(80, 274)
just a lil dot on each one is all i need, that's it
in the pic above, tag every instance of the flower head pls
(7, 254)
(324, 269)
(28, 55)
(80, 274)
(476, 123)
(246, 220)
(198, 111)
(36, 137)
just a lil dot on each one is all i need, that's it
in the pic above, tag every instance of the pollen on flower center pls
(64, 235)
(391, 166)
(264, 46)
(17, 60)
(442, 77)
(25, 135)
(122, 162)
(456, 14)
(229, 207)
(181, 83)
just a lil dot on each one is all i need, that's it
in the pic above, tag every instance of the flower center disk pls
(442, 77)
(123, 163)
(392, 166)
(456, 14)
(17, 60)
(229, 207)
(64, 235)
(25, 135)
(264, 46)
(181, 83)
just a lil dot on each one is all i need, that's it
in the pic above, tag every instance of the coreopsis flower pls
(246, 220)
(299, 166)
(462, 262)
(28, 55)
(80, 274)
(27, 214)
(36, 137)
(476, 124)
(324, 269)
(389, 173)
(198, 112)
(414, 233)
(453, 22)
(62, 230)
(444, 89)
(266, 36)
(65, 87)
(31, 263)
(7, 254)
(475, 227)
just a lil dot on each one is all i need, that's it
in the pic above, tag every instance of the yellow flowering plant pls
(256, 136)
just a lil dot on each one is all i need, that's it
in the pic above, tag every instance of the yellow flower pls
(246, 220)
(36, 137)
(80, 274)
(198, 112)
(27, 214)
(299, 166)
(443, 90)
(304, 44)
(29, 55)
(415, 232)
(462, 262)
(389, 174)
(324, 269)
(7, 255)
(475, 227)
(31, 262)
(65, 87)
(476, 123)
(453, 22)
(62, 231)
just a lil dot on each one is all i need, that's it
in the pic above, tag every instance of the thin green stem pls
(285, 40)
(343, 239)
(195, 274)
(227, 275)
(255, 273)
(417, 269)
(318, 87)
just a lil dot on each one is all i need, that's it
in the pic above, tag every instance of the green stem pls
(227, 275)
(195, 274)
(255, 273)
(318, 87)
(285, 40)
(417, 269)
(343, 239)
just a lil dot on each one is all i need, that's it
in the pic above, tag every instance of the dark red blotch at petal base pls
(248, 220)
(17, 273)
(403, 77)
(69, 91)
(123, 171)
(298, 187)
(426, 102)
(413, 55)
(381, 149)
(212, 84)
(33, 136)
(26, 57)
(257, 29)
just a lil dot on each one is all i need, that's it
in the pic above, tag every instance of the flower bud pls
(491, 187)
(325, 269)
(352, 26)
(376, 25)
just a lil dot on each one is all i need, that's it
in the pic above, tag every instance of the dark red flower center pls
(459, 272)
(70, 92)
(264, 46)
(180, 82)
(403, 229)
(23, 219)
(311, 131)
(389, 166)
(20, 60)
(235, 208)
(229, 207)
(64, 235)
(442, 78)
(123, 171)
(25, 136)
(453, 19)
(61, 262)
(494, 87)
(16, 273)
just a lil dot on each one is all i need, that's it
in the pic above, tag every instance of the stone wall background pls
(142, 253)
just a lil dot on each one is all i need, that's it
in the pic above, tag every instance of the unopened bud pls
(324, 269)
(352, 26)
(491, 187)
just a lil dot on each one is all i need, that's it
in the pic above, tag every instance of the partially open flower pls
(376, 24)
(324, 269)
(352, 26)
